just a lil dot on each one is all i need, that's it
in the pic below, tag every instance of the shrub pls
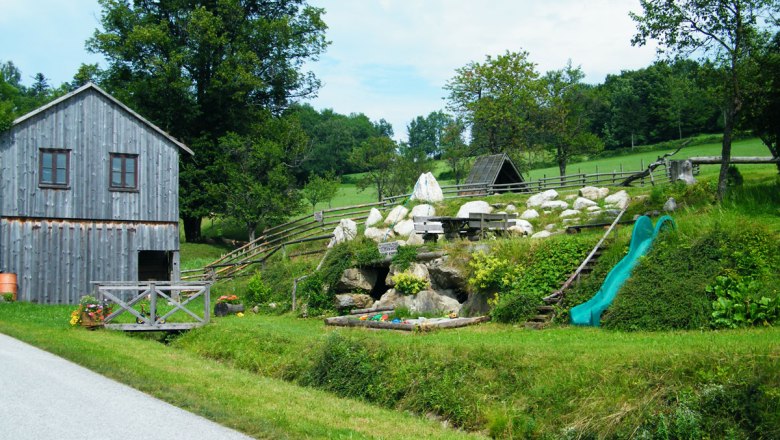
(257, 291)
(409, 284)
(548, 264)
(491, 274)
(405, 256)
(740, 303)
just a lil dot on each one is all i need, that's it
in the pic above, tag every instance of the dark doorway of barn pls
(154, 265)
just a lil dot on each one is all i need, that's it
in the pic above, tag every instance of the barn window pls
(54, 169)
(124, 172)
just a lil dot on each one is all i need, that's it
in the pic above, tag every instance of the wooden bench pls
(429, 229)
(490, 222)
(476, 225)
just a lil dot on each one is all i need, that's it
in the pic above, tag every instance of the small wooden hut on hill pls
(89, 191)
(495, 169)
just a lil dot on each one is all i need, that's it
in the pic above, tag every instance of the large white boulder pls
(396, 215)
(593, 209)
(619, 200)
(511, 209)
(474, 207)
(589, 192)
(537, 199)
(555, 204)
(374, 217)
(345, 231)
(522, 227)
(528, 214)
(542, 234)
(583, 203)
(570, 213)
(423, 210)
(427, 189)
(404, 228)
(415, 239)
(378, 234)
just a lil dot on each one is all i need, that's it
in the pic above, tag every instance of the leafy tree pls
(497, 99)
(201, 70)
(425, 133)
(321, 189)
(409, 164)
(378, 155)
(259, 189)
(564, 119)
(456, 152)
(724, 30)
(332, 137)
(763, 100)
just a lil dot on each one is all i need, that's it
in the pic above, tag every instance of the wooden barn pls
(495, 169)
(89, 191)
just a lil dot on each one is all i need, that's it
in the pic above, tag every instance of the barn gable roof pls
(92, 86)
(487, 169)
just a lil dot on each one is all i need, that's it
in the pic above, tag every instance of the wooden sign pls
(318, 216)
(388, 249)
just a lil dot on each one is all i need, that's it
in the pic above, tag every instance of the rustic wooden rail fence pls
(570, 181)
(125, 295)
(318, 226)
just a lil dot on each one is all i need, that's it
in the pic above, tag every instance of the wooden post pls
(153, 303)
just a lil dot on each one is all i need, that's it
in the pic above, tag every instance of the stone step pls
(540, 318)
(545, 309)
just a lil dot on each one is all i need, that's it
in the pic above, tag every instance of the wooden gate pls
(173, 296)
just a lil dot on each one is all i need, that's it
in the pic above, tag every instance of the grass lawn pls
(262, 407)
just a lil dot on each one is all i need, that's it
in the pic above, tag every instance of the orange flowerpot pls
(8, 283)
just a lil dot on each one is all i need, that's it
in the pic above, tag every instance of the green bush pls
(409, 284)
(405, 256)
(257, 292)
(547, 265)
(740, 303)
(491, 274)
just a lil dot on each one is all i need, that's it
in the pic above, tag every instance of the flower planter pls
(90, 322)
(224, 309)
(8, 284)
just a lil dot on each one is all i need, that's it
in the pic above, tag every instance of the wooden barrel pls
(8, 283)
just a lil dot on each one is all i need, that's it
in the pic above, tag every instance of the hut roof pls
(496, 168)
(91, 86)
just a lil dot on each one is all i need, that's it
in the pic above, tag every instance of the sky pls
(387, 58)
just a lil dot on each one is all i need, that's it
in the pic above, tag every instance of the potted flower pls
(89, 313)
(228, 304)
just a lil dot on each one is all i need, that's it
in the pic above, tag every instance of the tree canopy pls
(725, 31)
(201, 70)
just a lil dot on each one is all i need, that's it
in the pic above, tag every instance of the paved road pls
(45, 397)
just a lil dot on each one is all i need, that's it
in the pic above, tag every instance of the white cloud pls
(389, 58)
(435, 37)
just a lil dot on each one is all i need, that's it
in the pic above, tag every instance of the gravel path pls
(45, 397)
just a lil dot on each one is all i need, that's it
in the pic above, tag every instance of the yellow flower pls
(240, 315)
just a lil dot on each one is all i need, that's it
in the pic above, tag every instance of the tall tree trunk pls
(728, 129)
(250, 232)
(191, 229)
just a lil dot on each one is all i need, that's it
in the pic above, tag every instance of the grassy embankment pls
(260, 406)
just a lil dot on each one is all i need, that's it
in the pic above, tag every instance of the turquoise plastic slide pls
(589, 313)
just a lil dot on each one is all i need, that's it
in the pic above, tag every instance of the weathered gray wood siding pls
(91, 126)
(56, 260)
